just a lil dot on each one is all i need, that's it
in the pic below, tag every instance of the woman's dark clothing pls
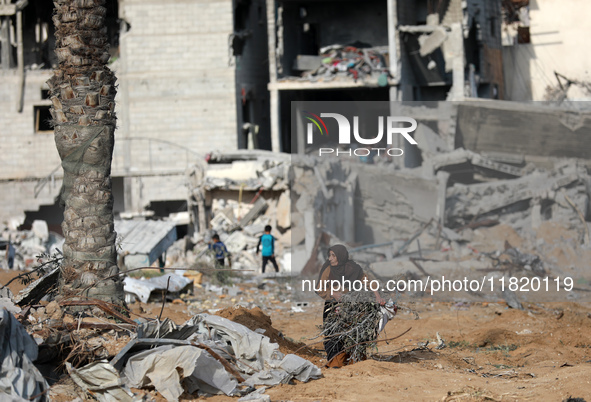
(332, 346)
(345, 270)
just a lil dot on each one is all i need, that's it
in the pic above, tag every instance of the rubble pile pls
(26, 245)
(107, 358)
(239, 220)
(560, 194)
(350, 61)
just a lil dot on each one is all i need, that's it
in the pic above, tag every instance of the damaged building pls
(542, 58)
(386, 50)
(198, 81)
(187, 72)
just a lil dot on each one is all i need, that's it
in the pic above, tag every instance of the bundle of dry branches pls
(353, 323)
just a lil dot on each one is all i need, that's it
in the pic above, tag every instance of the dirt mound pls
(254, 319)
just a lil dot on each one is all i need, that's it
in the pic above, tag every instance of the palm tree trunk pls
(83, 95)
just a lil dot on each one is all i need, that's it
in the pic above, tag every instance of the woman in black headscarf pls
(338, 268)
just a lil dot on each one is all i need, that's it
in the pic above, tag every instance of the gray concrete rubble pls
(235, 195)
(563, 191)
(437, 211)
(461, 215)
(27, 244)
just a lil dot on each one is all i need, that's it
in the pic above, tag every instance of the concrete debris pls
(461, 160)
(493, 200)
(38, 289)
(259, 207)
(25, 245)
(6, 301)
(235, 196)
(511, 299)
(248, 171)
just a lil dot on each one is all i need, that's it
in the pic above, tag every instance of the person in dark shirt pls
(10, 253)
(220, 253)
(268, 242)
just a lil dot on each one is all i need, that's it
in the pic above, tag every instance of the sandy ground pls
(492, 353)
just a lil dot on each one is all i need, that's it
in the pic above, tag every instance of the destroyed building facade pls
(189, 72)
(542, 42)
(190, 81)
(384, 50)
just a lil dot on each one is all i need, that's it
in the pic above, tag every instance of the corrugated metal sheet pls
(151, 238)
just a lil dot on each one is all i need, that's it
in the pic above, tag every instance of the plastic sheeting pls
(182, 366)
(19, 378)
(102, 381)
(142, 288)
(169, 367)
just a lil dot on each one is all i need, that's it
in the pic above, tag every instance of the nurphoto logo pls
(394, 125)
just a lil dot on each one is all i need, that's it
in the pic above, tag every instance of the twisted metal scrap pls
(353, 323)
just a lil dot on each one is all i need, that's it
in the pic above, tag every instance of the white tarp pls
(142, 288)
(19, 378)
(102, 380)
(162, 367)
(175, 368)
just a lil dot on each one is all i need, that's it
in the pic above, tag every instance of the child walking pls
(221, 252)
(268, 242)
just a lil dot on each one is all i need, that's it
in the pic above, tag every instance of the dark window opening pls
(42, 119)
(52, 214)
(523, 35)
(45, 94)
(118, 189)
(164, 208)
(39, 33)
(241, 11)
(493, 27)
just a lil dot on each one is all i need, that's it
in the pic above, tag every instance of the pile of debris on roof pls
(335, 61)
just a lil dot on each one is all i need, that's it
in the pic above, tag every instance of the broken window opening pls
(7, 42)
(163, 209)
(241, 11)
(523, 35)
(334, 39)
(517, 21)
(42, 119)
(493, 27)
(38, 33)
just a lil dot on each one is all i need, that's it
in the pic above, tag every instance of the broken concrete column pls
(456, 52)
(310, 229)
(442, 178)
